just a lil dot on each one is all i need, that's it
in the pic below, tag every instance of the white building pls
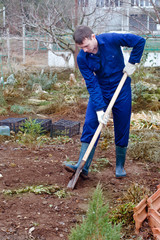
(123, 15)
(136, 16)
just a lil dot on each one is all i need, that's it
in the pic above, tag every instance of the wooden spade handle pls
(107, 112)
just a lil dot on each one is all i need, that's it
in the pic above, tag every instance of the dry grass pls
(149, 120)
(147, 145)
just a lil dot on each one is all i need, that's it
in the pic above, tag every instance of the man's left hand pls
(100, 116)
(129, 68)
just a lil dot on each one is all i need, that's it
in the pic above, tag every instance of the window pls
(141, 22)
(137, 22)
(83, 3)
(109, 3)
(157, 3)
(100, 3)
(144, 3)
(152, 24)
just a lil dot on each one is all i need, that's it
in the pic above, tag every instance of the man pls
(101, 63)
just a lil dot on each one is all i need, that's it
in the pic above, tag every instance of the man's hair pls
(81, 33)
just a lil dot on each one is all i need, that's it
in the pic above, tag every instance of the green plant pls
(123, 211)
(145, 93)
(31, 127)
(61, 193)
(137, 90)
(29, 133)
(3, 111)
(96, 225)
(38, 189)
(45, 80)
(2, 100)
(145, 151)
(141, 72)
(62, 140)
(135, 138)
(99, 164)
(146, 145)
(68, 161)
(20, 109)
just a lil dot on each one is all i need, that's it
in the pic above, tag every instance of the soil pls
(46, 217)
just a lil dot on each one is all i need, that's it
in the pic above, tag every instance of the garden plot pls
(35, 203)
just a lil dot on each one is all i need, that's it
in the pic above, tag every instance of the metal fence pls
(152, 44)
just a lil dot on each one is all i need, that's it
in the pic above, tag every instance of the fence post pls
(8, 45)
(4, 17)
(24, 53)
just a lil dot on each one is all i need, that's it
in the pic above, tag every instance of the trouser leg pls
(121, 116)
(90, 125)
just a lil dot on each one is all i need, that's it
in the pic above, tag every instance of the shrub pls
(46, 81)
(29, 133)
(123, 211)
(31, 127)
(145, 151)
(137, 90)
(145, 91)
(96, 225)
(145, 145)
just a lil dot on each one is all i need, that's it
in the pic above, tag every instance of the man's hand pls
(129, 68)
(100, 115)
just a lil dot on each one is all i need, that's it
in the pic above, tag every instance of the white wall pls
(58, 61)
(153, 60)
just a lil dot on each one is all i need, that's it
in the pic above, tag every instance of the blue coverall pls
(102, 73)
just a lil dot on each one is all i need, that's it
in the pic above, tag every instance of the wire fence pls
(30, 46)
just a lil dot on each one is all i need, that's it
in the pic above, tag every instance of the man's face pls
(89, 45)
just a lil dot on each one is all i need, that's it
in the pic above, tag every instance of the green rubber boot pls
(120, 161)
(73, 168)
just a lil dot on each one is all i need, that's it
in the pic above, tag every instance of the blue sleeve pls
(91, 84)
(137, 44)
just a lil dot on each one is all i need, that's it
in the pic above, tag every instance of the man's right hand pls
(100, 115)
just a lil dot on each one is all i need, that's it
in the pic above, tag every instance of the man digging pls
(101, 64)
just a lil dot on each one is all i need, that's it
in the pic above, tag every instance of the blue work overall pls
(102, 73)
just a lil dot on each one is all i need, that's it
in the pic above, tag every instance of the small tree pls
(96, 225)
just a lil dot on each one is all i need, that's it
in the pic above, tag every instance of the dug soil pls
(46, 217)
